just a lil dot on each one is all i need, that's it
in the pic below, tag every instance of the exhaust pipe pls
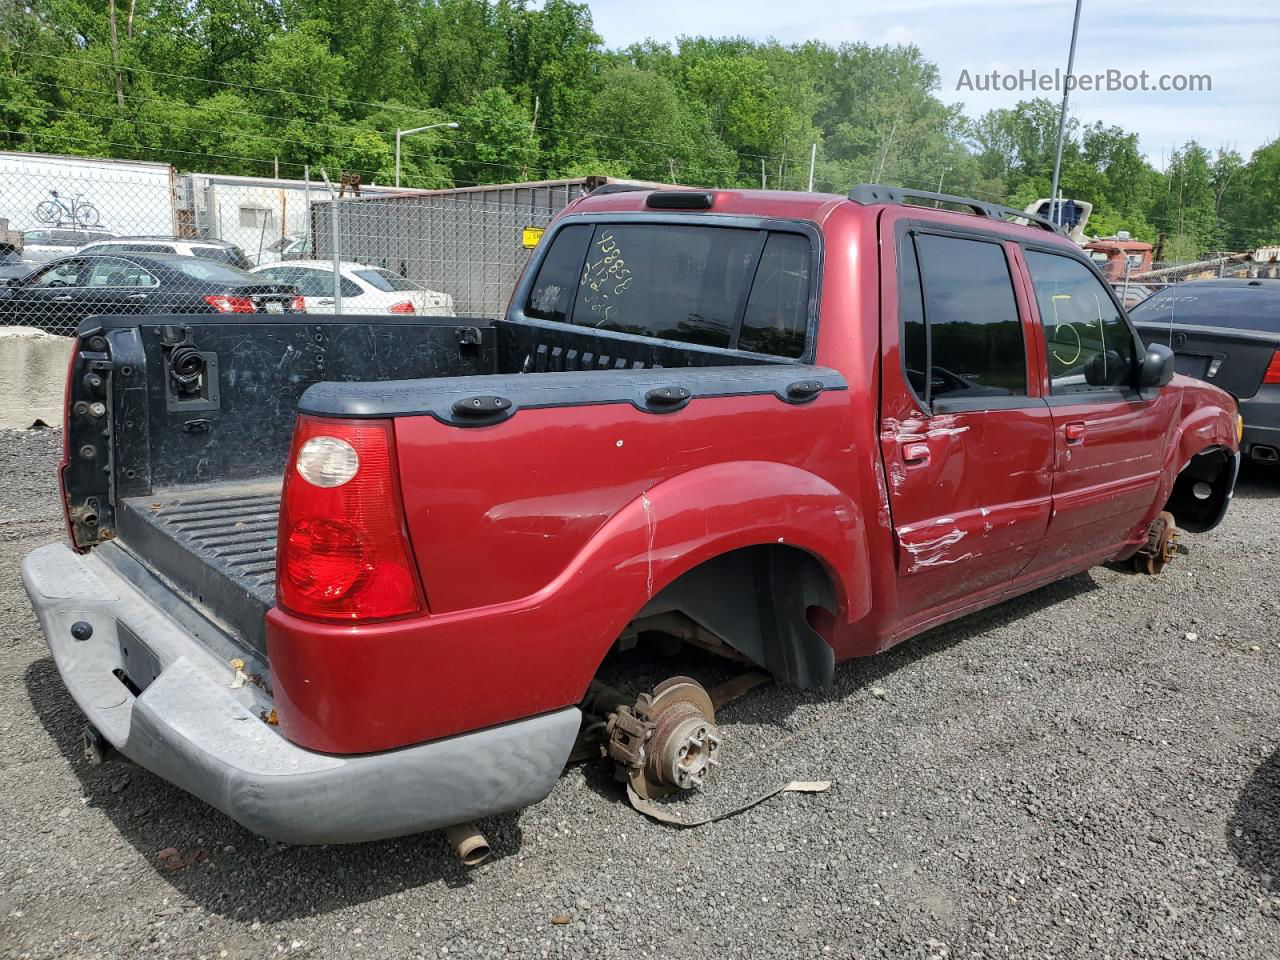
(1264, 454)
(469, 844)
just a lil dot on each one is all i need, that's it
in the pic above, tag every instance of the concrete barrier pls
(33, 367)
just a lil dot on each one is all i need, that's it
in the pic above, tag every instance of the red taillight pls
(405, 307)
(1273, 369)
(299, 305)
(225, 304)
(343, 552)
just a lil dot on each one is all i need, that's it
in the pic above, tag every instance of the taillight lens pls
(226, 304)
(343, 551)
(405, 307)
(1273, 369)
(299, 305)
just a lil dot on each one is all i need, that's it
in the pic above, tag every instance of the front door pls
(966, 438)
(1109, 437)
(50, 298)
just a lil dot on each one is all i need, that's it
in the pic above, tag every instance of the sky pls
(1237, 44)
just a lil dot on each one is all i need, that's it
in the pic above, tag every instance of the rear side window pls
(972, 344)
(231, 255)
(1090, 345)
(778, 308)
(141, 247)
(385, 280)
(714, 286)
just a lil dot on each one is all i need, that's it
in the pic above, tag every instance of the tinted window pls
(676, 283)
(915, 349)
(208, 270)
(231, 255)
(1089, 343)
(778, 309)
(975, 336)
(1248, 306)
(141, 247)
(552, 295)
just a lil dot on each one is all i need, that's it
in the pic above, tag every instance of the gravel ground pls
(1088, 771)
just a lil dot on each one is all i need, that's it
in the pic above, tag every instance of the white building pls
(254, 213)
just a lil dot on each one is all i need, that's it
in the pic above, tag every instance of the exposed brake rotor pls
(1161, 546)
(667, 741)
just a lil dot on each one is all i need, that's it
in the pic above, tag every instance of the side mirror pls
(1157, 366)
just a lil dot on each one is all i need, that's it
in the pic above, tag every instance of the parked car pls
(1226, 332)
(58, 295)
(293, 246)
(364, 288)
(53, 242)
(356, 577)
(220, 251)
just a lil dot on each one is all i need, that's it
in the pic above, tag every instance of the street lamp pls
(1054, 213)
(451, 124)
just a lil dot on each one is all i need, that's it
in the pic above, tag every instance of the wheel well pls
(773, 604)
(1195, 509)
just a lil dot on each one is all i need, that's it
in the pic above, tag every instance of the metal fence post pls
(333, 233)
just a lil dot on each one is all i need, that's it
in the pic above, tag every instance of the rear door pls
(966, 438)
(1109, 437)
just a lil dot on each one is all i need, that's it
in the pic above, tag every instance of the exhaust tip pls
(469, 844)
(1264, 453)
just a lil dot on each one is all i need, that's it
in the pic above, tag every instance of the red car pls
(792, 427)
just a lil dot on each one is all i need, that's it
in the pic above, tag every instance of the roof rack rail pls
(871, 193)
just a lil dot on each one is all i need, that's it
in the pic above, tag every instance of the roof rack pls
(871, 193)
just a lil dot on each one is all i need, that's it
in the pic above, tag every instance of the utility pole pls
(763, 178)
(1054, 213)
(813, 158)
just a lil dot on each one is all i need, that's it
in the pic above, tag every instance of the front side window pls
(1090, 346)
(960, 321)
(709, 285)
(62, 274)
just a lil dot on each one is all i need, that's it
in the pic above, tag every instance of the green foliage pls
(241, 86)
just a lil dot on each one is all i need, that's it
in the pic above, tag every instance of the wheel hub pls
(668, 741)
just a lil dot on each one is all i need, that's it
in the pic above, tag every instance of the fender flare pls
(676, 525)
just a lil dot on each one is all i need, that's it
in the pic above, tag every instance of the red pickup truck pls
(352, 577)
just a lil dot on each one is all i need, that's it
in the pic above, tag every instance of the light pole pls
(452, 125)
(1054, 213)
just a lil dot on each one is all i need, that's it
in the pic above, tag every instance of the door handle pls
(915, 454)
(1074, 432)
(62, 299)
(326, 302)
(137, 296)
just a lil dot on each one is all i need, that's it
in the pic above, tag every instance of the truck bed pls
(216, 544)
(191, 485)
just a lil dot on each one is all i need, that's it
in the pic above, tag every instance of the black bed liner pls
(217, 544)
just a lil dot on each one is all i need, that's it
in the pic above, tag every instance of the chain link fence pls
(81, 237)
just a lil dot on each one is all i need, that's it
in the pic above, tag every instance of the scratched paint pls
(935, 552)
(650, 534)
(882, 491)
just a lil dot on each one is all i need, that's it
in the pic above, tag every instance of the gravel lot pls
(1088, 771)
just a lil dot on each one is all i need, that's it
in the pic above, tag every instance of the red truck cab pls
(803, 426)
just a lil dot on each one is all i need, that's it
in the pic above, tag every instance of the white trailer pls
(255, 213)
(120, 197)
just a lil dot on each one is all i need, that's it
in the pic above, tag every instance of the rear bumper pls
(1261, 414)
(192, 728)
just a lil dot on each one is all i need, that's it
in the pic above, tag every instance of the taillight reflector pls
(228, 304)
(1273, 369)
(404, 307)
(343, 551)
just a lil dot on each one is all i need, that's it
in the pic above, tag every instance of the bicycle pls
(84, 214)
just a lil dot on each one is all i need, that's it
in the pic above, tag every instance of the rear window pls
(231, 255)
(208, 270)
(714, 286)
(1239, 306)
(385, 280)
